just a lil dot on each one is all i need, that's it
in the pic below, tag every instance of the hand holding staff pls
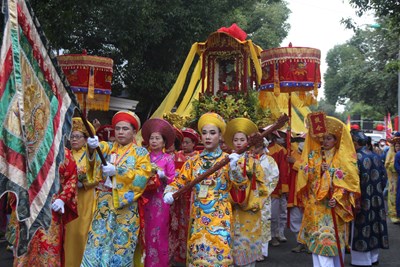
(253, 140)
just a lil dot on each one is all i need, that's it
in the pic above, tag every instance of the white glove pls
(108, 170)
(161, 173)
(58, 205)
(108, 182)
(168, 198)
(80, 185)
(93, 142)
(233, 158)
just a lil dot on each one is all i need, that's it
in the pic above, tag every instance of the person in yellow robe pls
(325, 184)
(113, 233)
(247, 238)
(210, 233)
(392, 179)
(77, 231)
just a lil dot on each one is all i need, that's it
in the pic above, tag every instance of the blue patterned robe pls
(370, 228)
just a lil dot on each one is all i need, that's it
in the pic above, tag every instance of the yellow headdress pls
(77, 125)
(212, 118)
(344, 162)
(335, 127)
(234, 126)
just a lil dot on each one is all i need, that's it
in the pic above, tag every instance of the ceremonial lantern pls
(291, 69)
(90, 79)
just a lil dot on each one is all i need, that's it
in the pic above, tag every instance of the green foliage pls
(366, 111)
(231, 106)
(382, 8)
(150, 39)
(364, 70)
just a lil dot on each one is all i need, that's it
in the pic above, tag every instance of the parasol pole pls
(253, 140)
(289, 147)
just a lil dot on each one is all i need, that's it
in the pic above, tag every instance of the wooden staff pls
(253, 140)
(335, 227)
(83, 117)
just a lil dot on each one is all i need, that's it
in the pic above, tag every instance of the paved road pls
(282, 256)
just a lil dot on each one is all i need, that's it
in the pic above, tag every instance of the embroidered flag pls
(36, 111)
(389, 128)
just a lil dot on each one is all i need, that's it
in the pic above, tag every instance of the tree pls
(149, 39)
(362, 71)
(382, 8)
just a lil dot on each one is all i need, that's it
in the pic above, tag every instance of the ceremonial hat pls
(105, 132)
(334, 126)
(127, 116)
(395, 139)
(178, 133)
(359, 137)
(242, 125)
(192, 134)
(159, 126)
(212, 118)
(77, 125)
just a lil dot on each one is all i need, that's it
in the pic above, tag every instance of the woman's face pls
(210, 136)
(397, 147)
(329, 141)
(78, 140)
(124, 133)
(156, 142)
(187, 145)
(239, 140)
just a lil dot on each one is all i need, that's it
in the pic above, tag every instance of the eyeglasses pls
(76, 136)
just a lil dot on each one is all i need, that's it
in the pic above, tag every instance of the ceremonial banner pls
(389, 127)
(36, 112)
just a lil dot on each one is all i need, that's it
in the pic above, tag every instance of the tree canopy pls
(364, 71)
(149, 39)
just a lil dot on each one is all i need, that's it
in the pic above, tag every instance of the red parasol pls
(90, 79)
(291, 69)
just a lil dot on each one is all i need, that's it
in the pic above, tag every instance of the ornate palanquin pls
(227, 65)
(90, 79)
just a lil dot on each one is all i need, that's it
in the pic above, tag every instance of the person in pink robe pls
(158, 134)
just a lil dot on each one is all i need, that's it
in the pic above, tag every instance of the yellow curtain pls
(196, 76)
(170, 100)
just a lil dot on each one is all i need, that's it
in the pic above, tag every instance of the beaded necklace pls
(118, 159)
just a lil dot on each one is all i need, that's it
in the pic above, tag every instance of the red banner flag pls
(36, 115)
(389, 128)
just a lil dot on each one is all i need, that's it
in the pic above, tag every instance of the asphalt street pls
(282, 256)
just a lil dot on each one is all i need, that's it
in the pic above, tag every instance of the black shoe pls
(360, 265)
(375, 263)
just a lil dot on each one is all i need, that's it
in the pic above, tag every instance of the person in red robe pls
(180, 209)
(46, 247)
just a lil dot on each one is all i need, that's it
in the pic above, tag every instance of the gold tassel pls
(91, 83)
(277, 88)
(316, 79)
(262, 98)
(302, 95)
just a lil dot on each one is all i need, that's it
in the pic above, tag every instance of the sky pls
(316, 24)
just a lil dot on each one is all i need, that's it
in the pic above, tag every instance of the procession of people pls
(119, 213)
